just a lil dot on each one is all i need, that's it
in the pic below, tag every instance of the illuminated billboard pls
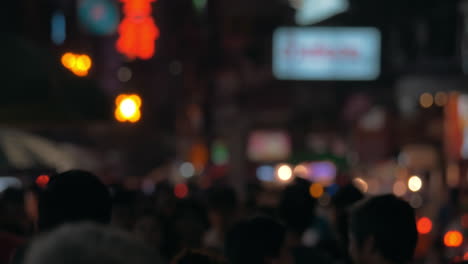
(326, 53)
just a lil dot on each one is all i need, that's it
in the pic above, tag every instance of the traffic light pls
(79, 64)
(128, 108)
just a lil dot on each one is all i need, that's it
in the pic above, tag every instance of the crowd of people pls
(76, 219)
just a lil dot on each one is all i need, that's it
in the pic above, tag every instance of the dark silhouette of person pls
(70, 197)
(259, 240)
(382, 230)
(74, 196)
(87, 243)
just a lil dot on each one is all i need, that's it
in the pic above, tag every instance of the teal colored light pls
(219, 153)
(199, 4)
(58, 28)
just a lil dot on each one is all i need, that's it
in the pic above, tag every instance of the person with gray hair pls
(87, 243)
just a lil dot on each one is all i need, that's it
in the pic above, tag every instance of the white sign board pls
(326, 53)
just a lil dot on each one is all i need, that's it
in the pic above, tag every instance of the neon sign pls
(137, 31)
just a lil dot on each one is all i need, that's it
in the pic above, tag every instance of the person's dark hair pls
(252, 241)
(341, 203)
(297, 207)
(88, 243)
(390, 222)
(190, 256)
(74, 196)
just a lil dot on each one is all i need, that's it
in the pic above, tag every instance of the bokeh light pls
(441, 99)
(181, 190)
(79, 64)
(128, 108)
(361, 184)
(426, 100)
(266, 173)
(399, 188)
(301, 171)
(124, 74)
(453, 238)
(187, 170)
(316, 190)
(415, 183)
(42, 181)
(284, 172)
(424, 225)
(416, 201)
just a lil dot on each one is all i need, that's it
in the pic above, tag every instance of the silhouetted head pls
(256, 241)
(382, 228)
(88, 243)
(340, 204)
(297, 207)
(74, 196)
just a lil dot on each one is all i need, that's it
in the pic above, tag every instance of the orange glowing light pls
(79, 64)
(42, 181)
(128, 108)
(424, 225)
(137, 31)
(453, 239)
(181, 190)
(465, 256)
(316, 190)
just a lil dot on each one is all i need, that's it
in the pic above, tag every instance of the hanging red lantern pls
(137, 31)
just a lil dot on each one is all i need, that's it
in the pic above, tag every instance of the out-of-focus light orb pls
(68, 60)
(42, 181)
(424, 225)
(187, 169)
(316, 190)
(301, 171)
(465, 256)
(453, 238)
(426, 100)
(128, 107)
(399, 188)
(441, 99)
(361, 184)
(181, 190)
(83, 63)
(416, 201)
(415, 183)
(266, 173)
(124, 74)
(284, 172)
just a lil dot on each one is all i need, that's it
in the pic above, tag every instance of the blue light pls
(266, 173)
(98, 17)
(58, 28)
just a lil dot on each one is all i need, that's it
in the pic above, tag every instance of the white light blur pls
(284, 172)
(361, 184)
(187, 170)
(415, 183)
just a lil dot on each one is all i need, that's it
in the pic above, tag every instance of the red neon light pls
(137, 31)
